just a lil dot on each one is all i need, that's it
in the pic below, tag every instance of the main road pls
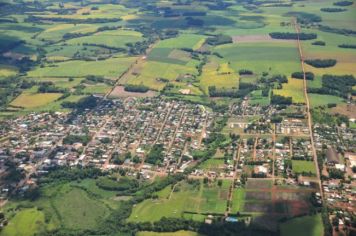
(310, 125)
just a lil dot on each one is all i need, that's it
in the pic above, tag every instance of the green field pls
(323, 100)
(110, 68)
(303, 166)
(114, 38)
(281, 58)
(80, 211)
(203, 199)
(238, 199)
(73, 206)
(32, 99)
(306, 225)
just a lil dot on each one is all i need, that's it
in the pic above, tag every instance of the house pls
(332, 156)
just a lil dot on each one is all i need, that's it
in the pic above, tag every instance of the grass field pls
(6, 71)
(238, 199)
(204, 199)
(75, 205)
(112, 38)
(31, 99)
(191, 41)
(294, 89)
(306, 225)
(212, 164)
(80, 211)
(303, 166)
(152, 71)
(323, 100)
(266, 57)
(27, 222)
(219, 74)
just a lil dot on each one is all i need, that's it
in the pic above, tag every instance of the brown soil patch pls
(345, 110)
